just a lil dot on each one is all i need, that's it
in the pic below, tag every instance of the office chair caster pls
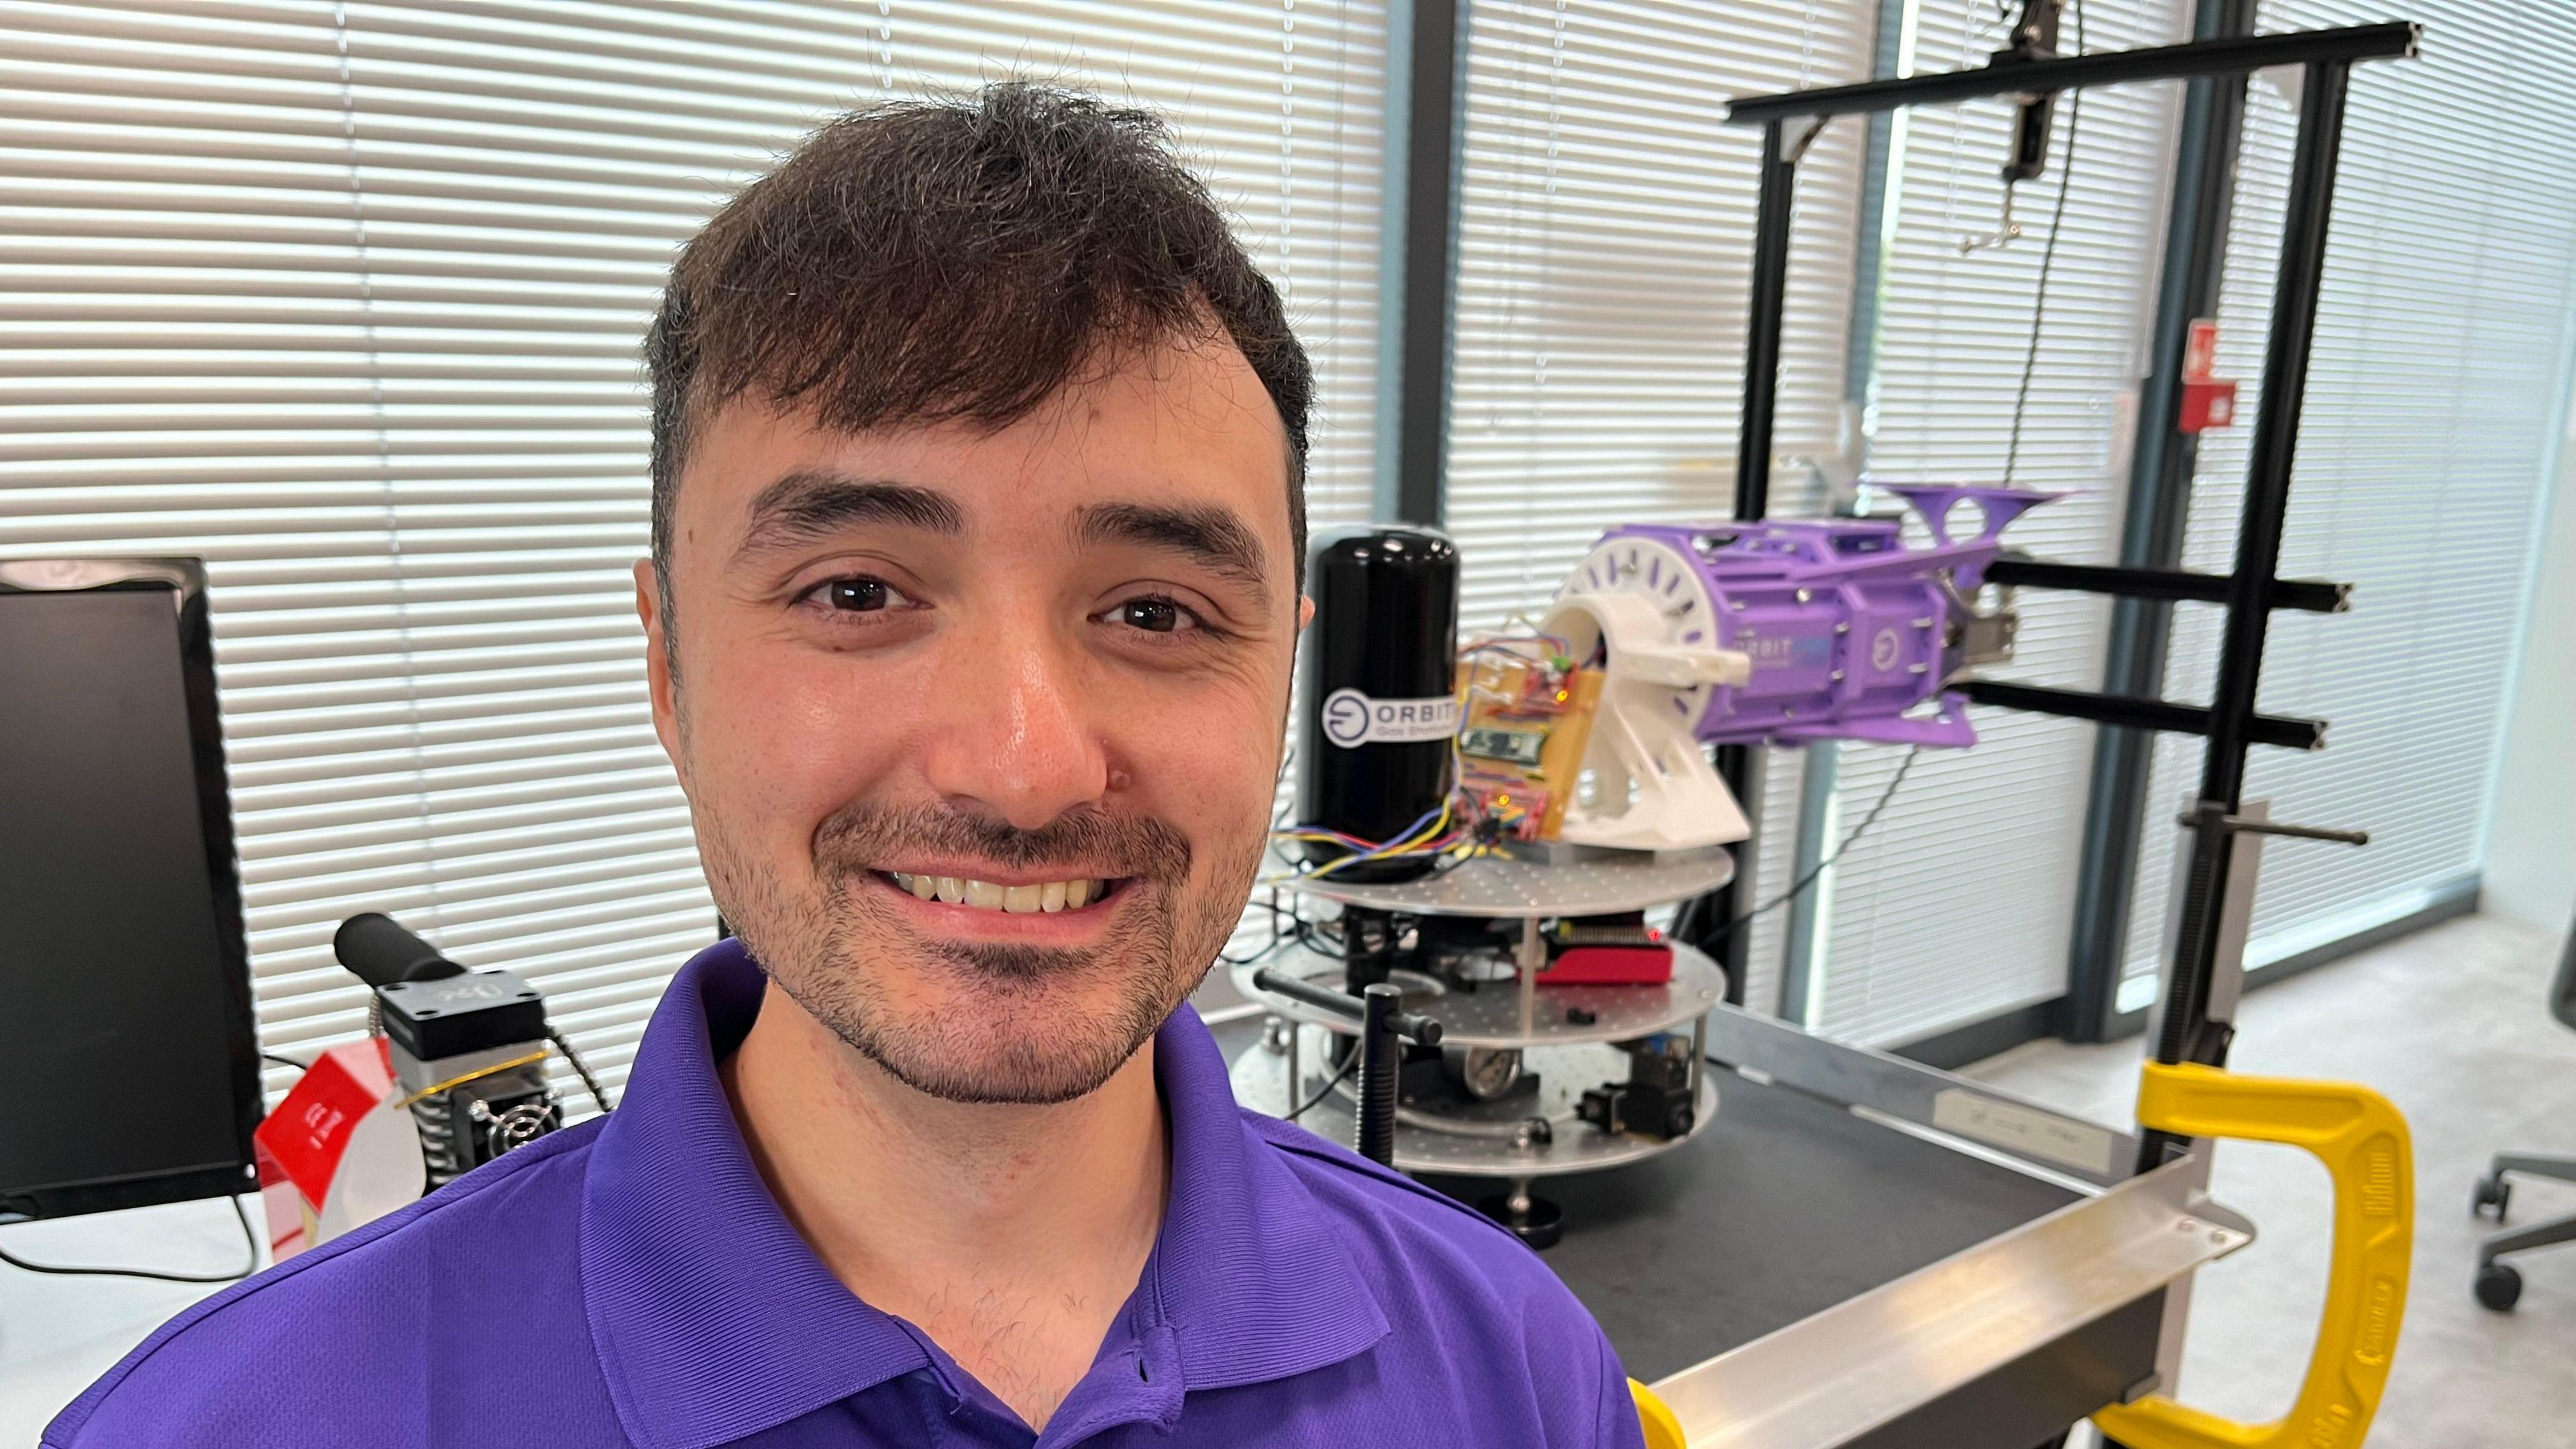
(2499, 1287)
(2492, 1191)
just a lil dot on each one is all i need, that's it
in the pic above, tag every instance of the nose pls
(1012, 729)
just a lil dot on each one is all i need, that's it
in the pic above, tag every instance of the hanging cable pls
(1799, 887)
(2047, 259)
(580, 1068)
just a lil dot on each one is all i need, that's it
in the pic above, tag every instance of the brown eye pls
(1159, 616)
(857, 596)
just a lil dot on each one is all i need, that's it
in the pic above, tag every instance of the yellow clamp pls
(1663, 1427)
(2363, 1143)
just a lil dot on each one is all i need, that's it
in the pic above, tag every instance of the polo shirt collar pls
(713, 1320)
(1247, 1272)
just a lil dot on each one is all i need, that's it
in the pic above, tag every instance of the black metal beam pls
(2118, 67)
(2314, 596)
(2153, 534)
(1432, 65)
(2185, 1032)
(1767, 307)
(2144, 714)
(1821, 772)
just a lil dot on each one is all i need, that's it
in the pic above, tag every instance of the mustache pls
(867, 835)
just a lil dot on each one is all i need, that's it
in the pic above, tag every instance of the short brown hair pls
(958, 258)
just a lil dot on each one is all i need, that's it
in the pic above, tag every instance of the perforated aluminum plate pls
(1505, 885)
(1490, 1015)
(1260, 1078)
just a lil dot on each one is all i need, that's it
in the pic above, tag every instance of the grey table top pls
(1783, 1206)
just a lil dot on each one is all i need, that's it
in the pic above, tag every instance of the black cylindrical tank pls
(1373, 744)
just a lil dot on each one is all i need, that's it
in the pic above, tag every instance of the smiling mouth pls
(1046, 897)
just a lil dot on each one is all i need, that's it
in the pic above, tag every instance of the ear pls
(657, 664)
(1305, 612)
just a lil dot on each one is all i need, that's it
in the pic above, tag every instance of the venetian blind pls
(2433, 403)
(1605, 249)
(1604, 255)
(1955, 907)
(345, 298)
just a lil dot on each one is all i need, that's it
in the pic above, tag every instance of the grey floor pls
(2450, 1024)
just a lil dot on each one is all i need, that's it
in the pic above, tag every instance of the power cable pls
(580, 1068)
(1327, 1089)
(1800, 887)
(249, 1236)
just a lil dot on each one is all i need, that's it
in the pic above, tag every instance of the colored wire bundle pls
(1435, 832)
(1462, 824)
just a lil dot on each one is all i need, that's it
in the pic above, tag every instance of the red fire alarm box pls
(2207, 402)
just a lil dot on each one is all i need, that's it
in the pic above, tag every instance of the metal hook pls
(2005, 236)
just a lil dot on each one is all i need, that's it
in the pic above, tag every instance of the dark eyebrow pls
(1207, 534)
(810, 504)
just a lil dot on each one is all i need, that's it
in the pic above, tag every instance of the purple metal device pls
(1848, 630)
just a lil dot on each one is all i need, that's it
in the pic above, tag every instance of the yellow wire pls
(1409, 846)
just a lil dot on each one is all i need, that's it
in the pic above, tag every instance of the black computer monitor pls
(129, 1064)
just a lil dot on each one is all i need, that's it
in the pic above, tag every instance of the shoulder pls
(1462, 1295)
(332, 1344)
(1453, 1250)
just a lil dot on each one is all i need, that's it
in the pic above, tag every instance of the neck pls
(940, 1212)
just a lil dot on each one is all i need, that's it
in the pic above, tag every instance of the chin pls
(993, 1025)
(1011, 1045)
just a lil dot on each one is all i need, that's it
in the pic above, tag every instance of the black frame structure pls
(2188, 1030)
(1426, 84)
(185, 580)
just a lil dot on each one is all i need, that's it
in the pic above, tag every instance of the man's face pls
(980, 727)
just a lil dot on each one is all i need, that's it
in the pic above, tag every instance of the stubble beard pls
(985, 1022)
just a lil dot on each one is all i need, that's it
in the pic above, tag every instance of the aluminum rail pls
(1865, 1363)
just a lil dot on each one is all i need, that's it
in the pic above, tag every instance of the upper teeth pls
(1055, 895)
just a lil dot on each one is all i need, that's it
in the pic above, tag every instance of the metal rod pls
(2118, 67)
(2276, 428)
(1411, 1024)
(2185, 1032)
(1374, 1131)
(2145, 714)
(2250, 824)
(2153, 532)
(2311, 596)
(1296, 1060)
(1734, 950)
(1423, 162)
(1765, 311)
(1529, 960)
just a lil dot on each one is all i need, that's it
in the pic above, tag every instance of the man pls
(978, 460)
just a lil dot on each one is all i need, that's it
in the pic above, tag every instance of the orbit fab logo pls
(1346, 717)
(1351, 719)
(1885, 650)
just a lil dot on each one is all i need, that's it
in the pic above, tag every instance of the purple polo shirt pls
(631, 1281)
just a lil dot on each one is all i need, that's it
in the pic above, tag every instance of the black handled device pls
(469, 1047)
(379, 952)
